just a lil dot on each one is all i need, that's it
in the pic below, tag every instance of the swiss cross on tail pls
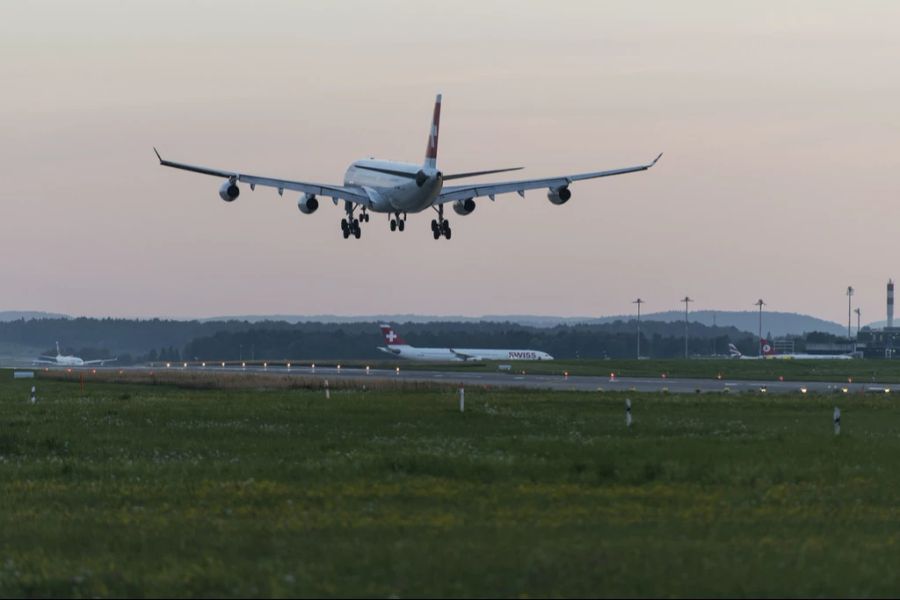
(431, 149)
(766, 347)
(390, 337)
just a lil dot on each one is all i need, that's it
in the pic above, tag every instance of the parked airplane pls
(397, 347)
(400, 188)
(768, 352)
(61, 360)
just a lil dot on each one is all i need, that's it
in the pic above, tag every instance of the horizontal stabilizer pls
(478, 173)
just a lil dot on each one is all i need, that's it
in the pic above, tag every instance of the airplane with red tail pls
(396, 346)
(768, 352)
(397, 189)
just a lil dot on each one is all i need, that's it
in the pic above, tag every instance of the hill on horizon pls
(774, 323)
(15, 315)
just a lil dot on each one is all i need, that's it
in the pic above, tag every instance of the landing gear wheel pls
(445, 228)
(393, 225)
(447, 233)
(344, 224)
(346, 233)
(434, 226)
(357, 232)
(401, 225)
(436, 233)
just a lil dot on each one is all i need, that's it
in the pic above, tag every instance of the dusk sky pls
(779, 122)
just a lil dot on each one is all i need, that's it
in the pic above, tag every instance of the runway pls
(537, 382)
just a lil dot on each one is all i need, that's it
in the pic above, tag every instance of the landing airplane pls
(62, 360)
(767, 352)
(400, 349)
(395, 188)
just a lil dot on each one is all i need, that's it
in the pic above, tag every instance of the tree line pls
(137, 340)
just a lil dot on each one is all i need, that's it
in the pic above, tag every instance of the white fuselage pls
(796, 357)
(394, 193)
(808, 357)
(462, 354)
(69, 361)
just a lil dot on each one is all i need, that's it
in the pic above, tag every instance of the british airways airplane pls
(400, 349)
(380, 186)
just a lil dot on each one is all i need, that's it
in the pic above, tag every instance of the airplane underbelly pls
(410, 200)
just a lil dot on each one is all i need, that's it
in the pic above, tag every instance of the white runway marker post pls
(837, 421)
(462, 399)
(33, 395)
(327, 391)
(628, 413)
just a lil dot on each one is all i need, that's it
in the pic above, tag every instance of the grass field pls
(142, 490)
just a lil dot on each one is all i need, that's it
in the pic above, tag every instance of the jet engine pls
(559, 195)
(229, 191)
(308, 203)
(464, 207)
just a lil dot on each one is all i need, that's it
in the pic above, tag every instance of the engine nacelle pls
(229, 191)
(308, 203)
(464, 207)
(559, 195)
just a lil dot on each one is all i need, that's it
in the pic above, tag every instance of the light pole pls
(849, 311)
(760, 304)
(638, 302)
(686, 301)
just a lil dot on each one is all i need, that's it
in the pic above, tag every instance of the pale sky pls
(779, 122)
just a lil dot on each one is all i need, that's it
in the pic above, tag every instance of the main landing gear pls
(441, 226)
(397, 222)
(350, 224)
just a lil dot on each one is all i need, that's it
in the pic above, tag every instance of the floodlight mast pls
(760, 304)
(638, 302)
(849, 311)
(686, 300)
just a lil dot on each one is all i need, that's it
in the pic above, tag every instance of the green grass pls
(133, 490)
(883, 371)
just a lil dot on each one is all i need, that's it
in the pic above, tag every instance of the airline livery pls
(62, 360)
(767, 351)
(397, 189)
(397, 347)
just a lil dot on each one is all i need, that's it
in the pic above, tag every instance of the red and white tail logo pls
(766, 347)
(432, 148)
(390, 337)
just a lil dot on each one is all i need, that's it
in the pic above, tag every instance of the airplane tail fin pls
(766, 347)
(432, 148)
(58, 353)
(733, 351)
(391, 337)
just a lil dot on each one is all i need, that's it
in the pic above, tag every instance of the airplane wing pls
(100, 361)
(335, 192)
(39, 361)
(463, 355)
(464, 192)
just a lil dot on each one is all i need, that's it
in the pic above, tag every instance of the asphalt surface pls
(513, 379)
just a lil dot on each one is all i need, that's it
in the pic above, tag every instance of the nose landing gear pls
(397, 222)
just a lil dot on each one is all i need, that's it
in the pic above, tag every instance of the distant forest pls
(148, 340)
